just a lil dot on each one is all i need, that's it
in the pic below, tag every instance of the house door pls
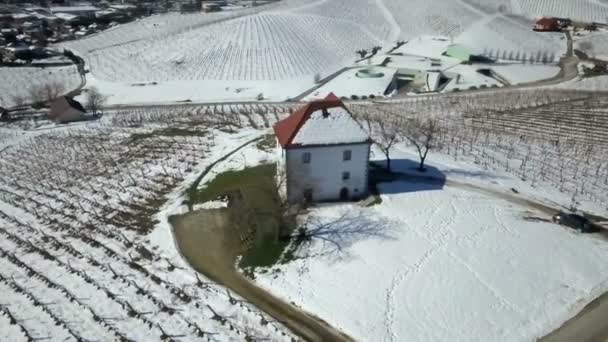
(308, 195)
(344, 194)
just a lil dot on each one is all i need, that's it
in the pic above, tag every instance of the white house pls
(323, 153)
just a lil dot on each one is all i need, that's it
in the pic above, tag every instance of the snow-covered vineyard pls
(520, 119)
(75, 207)
(299, 42)
(77, 204)
(549, 139)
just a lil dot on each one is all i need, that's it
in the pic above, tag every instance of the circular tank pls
(369, 73)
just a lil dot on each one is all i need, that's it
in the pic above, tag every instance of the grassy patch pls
(267, 143)
(168, 132)
(255, 209)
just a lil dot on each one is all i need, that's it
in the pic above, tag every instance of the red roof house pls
(547, 25)
(323, 153)
(321, 122)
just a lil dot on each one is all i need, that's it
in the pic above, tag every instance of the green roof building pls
(458, 51)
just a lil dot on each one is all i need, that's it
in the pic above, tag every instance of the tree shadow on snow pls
(331, 237)
(405, 177)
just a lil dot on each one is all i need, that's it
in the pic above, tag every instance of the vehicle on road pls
(575, 221)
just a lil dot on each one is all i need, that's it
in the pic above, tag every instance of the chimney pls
(325, 113)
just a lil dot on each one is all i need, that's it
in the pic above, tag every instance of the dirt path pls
(590, 325)
(210, 245)
(208, 242)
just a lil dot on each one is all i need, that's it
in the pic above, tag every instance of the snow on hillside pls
(199, 91)
(419, 17)
(501, 34)
(517, 73)
(366, 13)
(491, 6)
(17, 82)
(259, 47)
(435, 262)
(160, 25)
(587, 10)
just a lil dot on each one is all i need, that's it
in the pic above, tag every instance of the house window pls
(345, 175)
(347, 155)
(306, 158)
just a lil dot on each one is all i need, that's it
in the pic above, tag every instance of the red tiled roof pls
(286, 129)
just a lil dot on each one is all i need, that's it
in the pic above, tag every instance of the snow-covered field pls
(516, 73)
(16, 82)
(435, 262)
(197, 91)
(599, 83)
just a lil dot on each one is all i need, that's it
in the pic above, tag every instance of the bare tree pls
(422, 133)
(95, 100)
(387, 136)
(46, 93)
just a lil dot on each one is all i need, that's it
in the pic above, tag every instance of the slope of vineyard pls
(366, 13)
(419, 17)
(587, 10)
(259, 47)
(75, 261)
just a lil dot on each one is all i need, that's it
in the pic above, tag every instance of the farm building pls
(547, 25)
(323, 153)
(65, 109)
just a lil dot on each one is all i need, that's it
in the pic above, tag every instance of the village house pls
(323, 153)
(65, 109)
(547, 25)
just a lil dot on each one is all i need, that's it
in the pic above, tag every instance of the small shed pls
(547, 25)
(460, 52)
(65, 109)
